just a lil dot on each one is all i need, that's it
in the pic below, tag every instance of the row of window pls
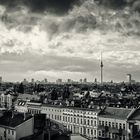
(75, 111)
(79, 121)
(111, 135)
(113, 124)
(82, 131)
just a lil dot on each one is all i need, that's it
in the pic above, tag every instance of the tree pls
(21, 88)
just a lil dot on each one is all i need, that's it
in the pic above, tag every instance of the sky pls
(64, 39)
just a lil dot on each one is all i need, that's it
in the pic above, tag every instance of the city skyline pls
(36, 43)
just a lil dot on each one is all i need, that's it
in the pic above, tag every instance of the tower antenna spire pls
(101, 68)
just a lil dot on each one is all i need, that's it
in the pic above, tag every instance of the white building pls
(78, 120)
(7, 100)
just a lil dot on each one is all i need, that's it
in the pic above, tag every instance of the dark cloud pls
(59, 6)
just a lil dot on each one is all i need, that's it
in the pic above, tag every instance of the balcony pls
(112, 130)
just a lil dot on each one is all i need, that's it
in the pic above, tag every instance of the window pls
(116, 125)
(81, 130)
(91, 122)
(113, 124)
(88, 122)
(88, 131)
(74, 120)
(94, 132)
(123, 126)
(106, 123)
(95, 123)
(91, 132)
(99, 122)
(103, 123)
(109, 124)
(123, 137)
(63, 118)
(12, 132)
(78, 120)
(103, 133)
(8, 131)
(99, 133)
(120, 126)
(109, 135)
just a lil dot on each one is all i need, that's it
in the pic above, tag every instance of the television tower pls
(101, 69)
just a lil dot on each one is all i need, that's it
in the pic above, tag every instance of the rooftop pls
(95, 108)
(28, 96)
(135, 115)
(116, 113)
(9, 121)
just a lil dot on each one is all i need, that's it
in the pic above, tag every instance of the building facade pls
(14, 127)
(78, 120)
(113, 123)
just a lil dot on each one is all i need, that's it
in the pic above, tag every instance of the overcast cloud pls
(53, 40)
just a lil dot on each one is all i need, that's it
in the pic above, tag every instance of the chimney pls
(24, 115)
(12, 114)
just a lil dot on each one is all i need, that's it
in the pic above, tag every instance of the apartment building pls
(113, 123)
(15, 126)
(78, 120)
(7, 100)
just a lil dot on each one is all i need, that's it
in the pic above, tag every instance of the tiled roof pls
(116, 113)
(7, 121)
(136, 115)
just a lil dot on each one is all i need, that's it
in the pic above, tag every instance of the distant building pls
(14, 126)
(81, 80)
(25, 81)
(45, 80)
(69, 81)
(95, 81)
(129, 78)
(7, 100)
(85, 80)
(0, 79)
(59, 81)
(32, 80)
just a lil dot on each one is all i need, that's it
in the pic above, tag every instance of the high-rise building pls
(85, 80)
(81, 80)
(25, 81)
(95, 81)
(45, 80)
(32, 80)
(69, 81)
(129, 78)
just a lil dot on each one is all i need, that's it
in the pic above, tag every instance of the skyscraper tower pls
(101, 69)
